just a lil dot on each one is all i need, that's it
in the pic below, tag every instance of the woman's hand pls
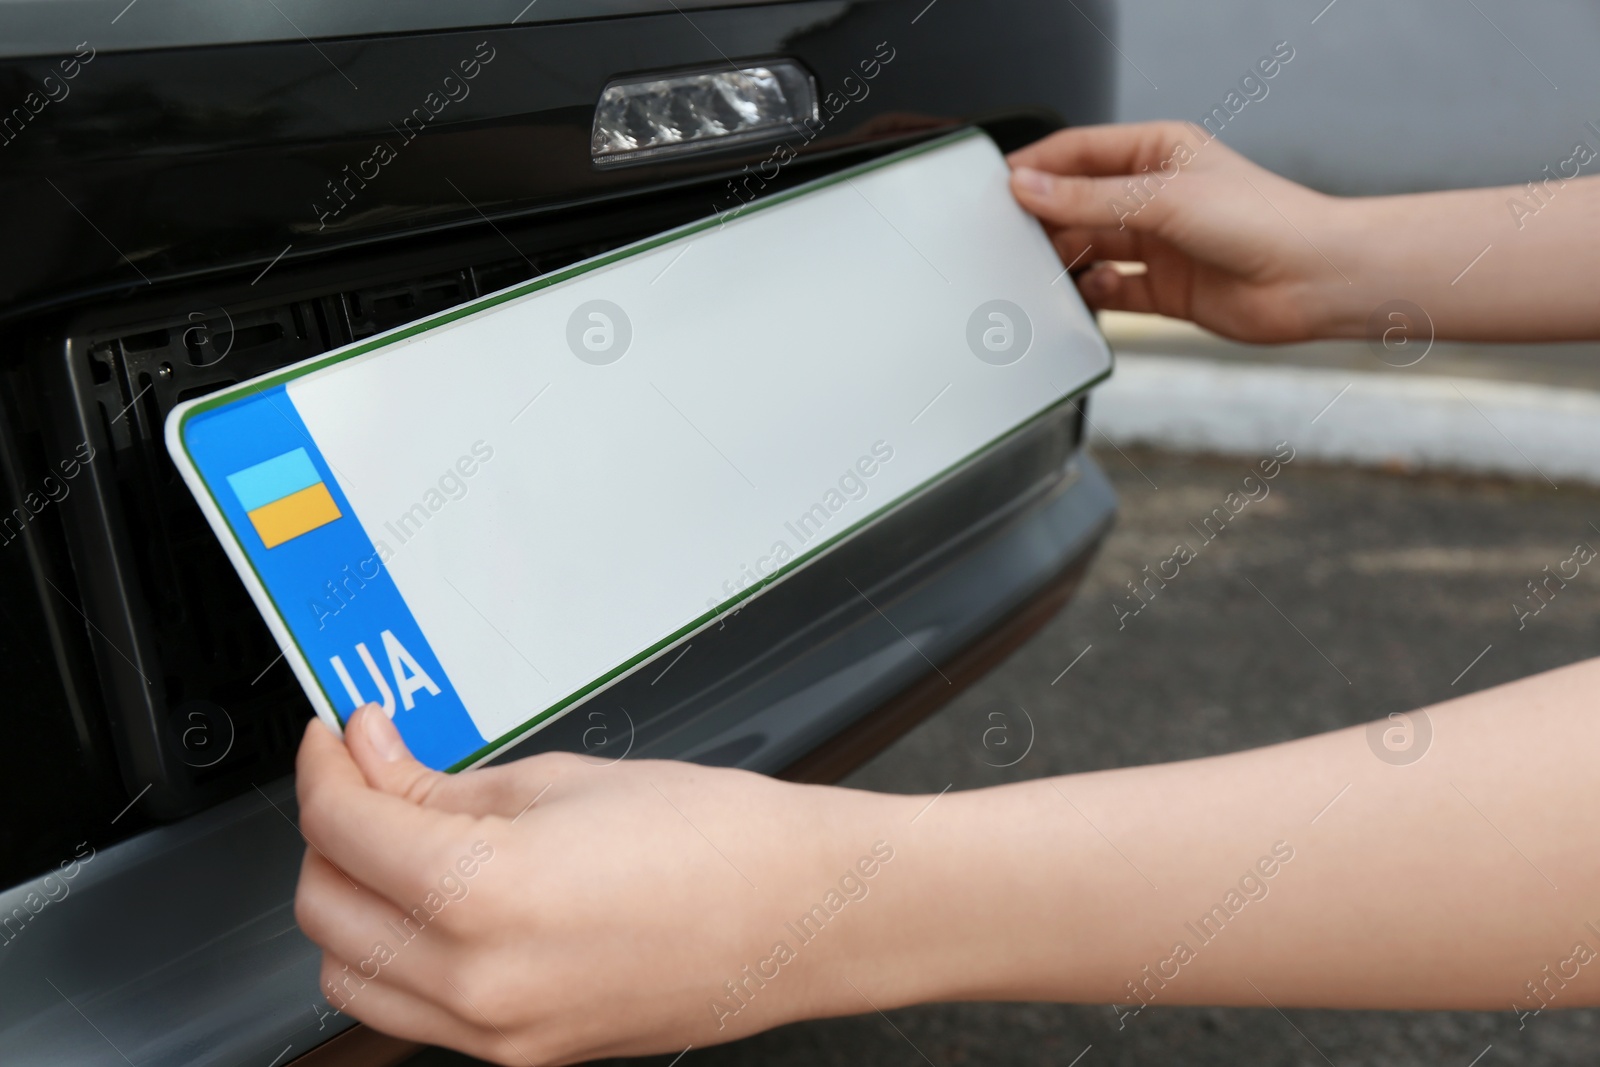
(1256, 257)
(1225, 243)
(558, 908)
(554, 909)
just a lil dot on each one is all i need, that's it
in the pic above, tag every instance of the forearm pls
(1498, 264)
(1426, 885)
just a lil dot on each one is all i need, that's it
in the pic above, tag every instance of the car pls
(193, 195)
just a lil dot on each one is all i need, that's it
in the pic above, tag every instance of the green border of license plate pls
(403, 333)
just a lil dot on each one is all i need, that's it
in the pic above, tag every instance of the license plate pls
(486, 517)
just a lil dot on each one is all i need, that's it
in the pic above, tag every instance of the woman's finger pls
(403, 1014)
(1081, 247)
(404, 948)
(1098, 151)
(388, 765)
(1105, 288)
(392, 846)
(1089, 203)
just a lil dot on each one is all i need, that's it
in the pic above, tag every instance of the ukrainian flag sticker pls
(284, 497)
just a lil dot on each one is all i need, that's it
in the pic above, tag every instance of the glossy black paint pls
(171, 164)
(48, 27)
(204, 165)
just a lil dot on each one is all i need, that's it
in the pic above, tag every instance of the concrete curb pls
(1468, 425)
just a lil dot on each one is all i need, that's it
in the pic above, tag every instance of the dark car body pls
(188, 199)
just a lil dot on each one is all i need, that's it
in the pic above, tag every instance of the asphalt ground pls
(1342, 596)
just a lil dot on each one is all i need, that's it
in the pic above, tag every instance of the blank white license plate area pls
(746, 393)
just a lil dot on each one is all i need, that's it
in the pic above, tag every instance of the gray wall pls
(1382, 95)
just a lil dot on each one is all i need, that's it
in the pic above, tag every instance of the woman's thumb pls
(1089, 203)
(385, 762)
